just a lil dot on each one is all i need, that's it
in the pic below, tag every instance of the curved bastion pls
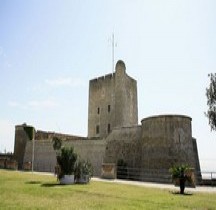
(167, 140)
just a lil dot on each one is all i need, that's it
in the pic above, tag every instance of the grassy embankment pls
(32, 191)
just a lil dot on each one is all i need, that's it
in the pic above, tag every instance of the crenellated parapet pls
(47, 135)
(102, 79)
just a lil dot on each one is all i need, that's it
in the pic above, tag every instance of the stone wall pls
(41, 135)
(123, 144)
(126, 100)
(101, 95)
(45, 156)
(126, 112)
(21, 138)
(197, 163)
(166, 140)
(22, 142)
(149, 150)
(112, 102)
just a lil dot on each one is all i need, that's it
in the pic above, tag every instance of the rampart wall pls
(155, 146)
(45, 156)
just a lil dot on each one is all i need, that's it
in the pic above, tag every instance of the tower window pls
(98, 110)
(109, 108)
(108, 128)
(97, 129)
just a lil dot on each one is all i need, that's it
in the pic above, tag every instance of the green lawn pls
(31, 191)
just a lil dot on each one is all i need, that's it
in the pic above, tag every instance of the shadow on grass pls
(98, 194)
(33, 182)
(178, 193)
(51, 185)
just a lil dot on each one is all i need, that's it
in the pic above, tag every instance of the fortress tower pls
(112, 102)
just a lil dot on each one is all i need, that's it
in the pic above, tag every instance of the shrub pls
(66, 161)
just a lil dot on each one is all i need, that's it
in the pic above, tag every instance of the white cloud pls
(67, 81)
(14, 104)
(42, 104)
(34, 104)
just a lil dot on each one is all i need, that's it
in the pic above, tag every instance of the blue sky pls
(49, 50)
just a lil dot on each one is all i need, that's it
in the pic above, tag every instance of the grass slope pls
(31, 191)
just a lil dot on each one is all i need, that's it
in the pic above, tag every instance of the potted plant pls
(83, 171)
(181, 174)
(66, 161)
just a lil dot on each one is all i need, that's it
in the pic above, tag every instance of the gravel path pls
(204, 189)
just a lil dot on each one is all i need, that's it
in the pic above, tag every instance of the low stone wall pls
(2, 163)
(8, 164)
(11, 164)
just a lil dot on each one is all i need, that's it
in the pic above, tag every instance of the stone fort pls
(149, 149)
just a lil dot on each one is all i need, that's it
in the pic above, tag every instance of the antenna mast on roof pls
(113, 52)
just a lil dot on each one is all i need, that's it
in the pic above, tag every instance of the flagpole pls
(113, 40)
(33, 150)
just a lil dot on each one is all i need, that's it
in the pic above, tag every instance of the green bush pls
(66, 161)
(83, 168)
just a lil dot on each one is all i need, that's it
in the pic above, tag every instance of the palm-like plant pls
(180, 174)
(66, 161)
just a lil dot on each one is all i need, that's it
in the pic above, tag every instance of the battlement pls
(106, 77)
(46, 135)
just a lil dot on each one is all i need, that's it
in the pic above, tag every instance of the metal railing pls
(139, 174)
(160, 175)
(208, 178)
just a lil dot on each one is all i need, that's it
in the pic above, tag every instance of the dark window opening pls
(98, 110)
(97, 129)
(109, 128)
(109, 108)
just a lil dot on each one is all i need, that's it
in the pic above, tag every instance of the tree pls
(211, 101)
(57, 143)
